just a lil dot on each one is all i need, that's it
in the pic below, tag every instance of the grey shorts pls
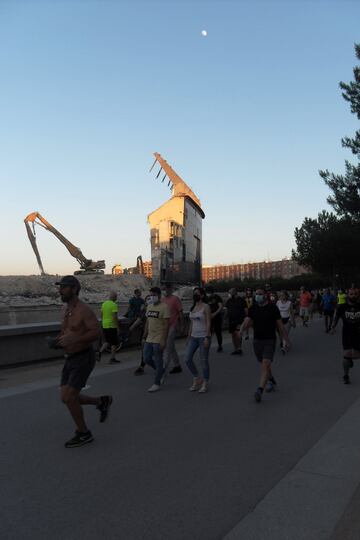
(264, 348)
(77, 369)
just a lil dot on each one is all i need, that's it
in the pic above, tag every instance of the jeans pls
(153, 356)
(192, 346)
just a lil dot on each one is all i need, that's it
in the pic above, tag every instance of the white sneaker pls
(204, 387)
(154, 388)
(196, 384)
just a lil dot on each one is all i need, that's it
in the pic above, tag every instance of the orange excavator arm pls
(37, 219)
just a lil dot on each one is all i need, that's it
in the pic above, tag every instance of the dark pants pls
(216, 328)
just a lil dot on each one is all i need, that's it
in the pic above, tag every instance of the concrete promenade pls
(181, 466)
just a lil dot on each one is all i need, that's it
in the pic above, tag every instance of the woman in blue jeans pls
(199, 338)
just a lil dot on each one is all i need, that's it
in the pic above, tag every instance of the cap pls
(69, 281)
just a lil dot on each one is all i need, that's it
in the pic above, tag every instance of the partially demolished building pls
(176, 232)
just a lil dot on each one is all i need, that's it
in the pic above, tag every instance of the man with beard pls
(350, 315)
(79, 330)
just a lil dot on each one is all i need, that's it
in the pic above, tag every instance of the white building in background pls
(176, 232)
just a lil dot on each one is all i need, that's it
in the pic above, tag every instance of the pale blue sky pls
(247, 116)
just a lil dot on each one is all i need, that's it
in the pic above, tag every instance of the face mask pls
(196, 297)
(259, 298)
(152, 300)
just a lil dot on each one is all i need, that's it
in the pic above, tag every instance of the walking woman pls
(287, 315)
(199, 338)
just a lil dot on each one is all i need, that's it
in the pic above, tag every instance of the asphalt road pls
(172, 465)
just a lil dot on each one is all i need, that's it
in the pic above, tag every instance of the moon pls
(204, 33)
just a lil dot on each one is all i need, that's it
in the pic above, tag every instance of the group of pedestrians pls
(269, 316)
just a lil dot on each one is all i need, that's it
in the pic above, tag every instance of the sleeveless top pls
(198, 319)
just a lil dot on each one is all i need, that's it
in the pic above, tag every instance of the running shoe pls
(80, 439)
(139, 371)
(219, 349)
(271, 387)
(246, 338)
(204, 387)
(114, 361)
(258, 395)
(104, 407)
(154, 388)
(196, 385)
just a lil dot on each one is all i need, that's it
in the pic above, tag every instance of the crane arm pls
(36, 218)
(32, 237)
(179, 186)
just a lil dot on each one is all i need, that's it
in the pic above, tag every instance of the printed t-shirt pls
(236, 308)
(350, 315)
(175, 307)
(305, 299)
(156, 315)
(108, 308)
(264, 320)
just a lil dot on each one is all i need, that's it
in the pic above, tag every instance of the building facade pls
(286, 268)
(176, 233)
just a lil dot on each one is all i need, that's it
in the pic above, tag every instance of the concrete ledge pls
(26, 343)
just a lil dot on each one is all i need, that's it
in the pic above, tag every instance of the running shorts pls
(328, 313)
(234, 324)
(304, 312)
(285, 320)
(111, 336)
(77, 368)
(264, 348)
(350, 341)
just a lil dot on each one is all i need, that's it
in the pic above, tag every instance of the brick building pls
(286, 268)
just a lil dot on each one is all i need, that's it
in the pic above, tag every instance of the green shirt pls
(108, 308)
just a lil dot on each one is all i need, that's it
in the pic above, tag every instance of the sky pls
(246, 115)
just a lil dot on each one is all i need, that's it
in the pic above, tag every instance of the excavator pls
(87, 265)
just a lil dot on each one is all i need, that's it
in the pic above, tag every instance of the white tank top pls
(284, 308)
(198, 320)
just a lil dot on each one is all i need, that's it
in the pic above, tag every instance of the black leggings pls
(216, 328)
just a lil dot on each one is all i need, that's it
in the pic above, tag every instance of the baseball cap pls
(69, 281)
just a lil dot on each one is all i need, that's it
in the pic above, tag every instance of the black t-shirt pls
(350, 316)
(264, 320)
(214, 300)
(236, 308)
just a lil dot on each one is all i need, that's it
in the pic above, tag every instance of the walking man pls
(265, 318)
(235, 307)
(350, 315)
(176, 317)
(155, 335)
(305, 303)
(110, 326)
(79, 330)
(216, 306)
(328, 307)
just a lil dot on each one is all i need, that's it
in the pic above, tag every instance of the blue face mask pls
(259, 298)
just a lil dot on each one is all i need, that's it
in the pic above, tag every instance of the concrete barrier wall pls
(26, 343)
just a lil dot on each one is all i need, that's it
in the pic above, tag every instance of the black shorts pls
(350, 341)
(285, 320)
(111, 336)
(264, 348)
(328, 312)
(77, 369)
(234, 324)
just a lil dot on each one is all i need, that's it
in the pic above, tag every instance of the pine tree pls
(345, 198)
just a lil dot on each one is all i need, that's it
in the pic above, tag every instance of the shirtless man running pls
(79, 330)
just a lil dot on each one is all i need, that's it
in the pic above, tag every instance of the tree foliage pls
(328, 244)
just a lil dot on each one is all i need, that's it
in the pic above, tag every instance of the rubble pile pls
(42, 291)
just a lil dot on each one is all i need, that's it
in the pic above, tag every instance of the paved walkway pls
(175, 465)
